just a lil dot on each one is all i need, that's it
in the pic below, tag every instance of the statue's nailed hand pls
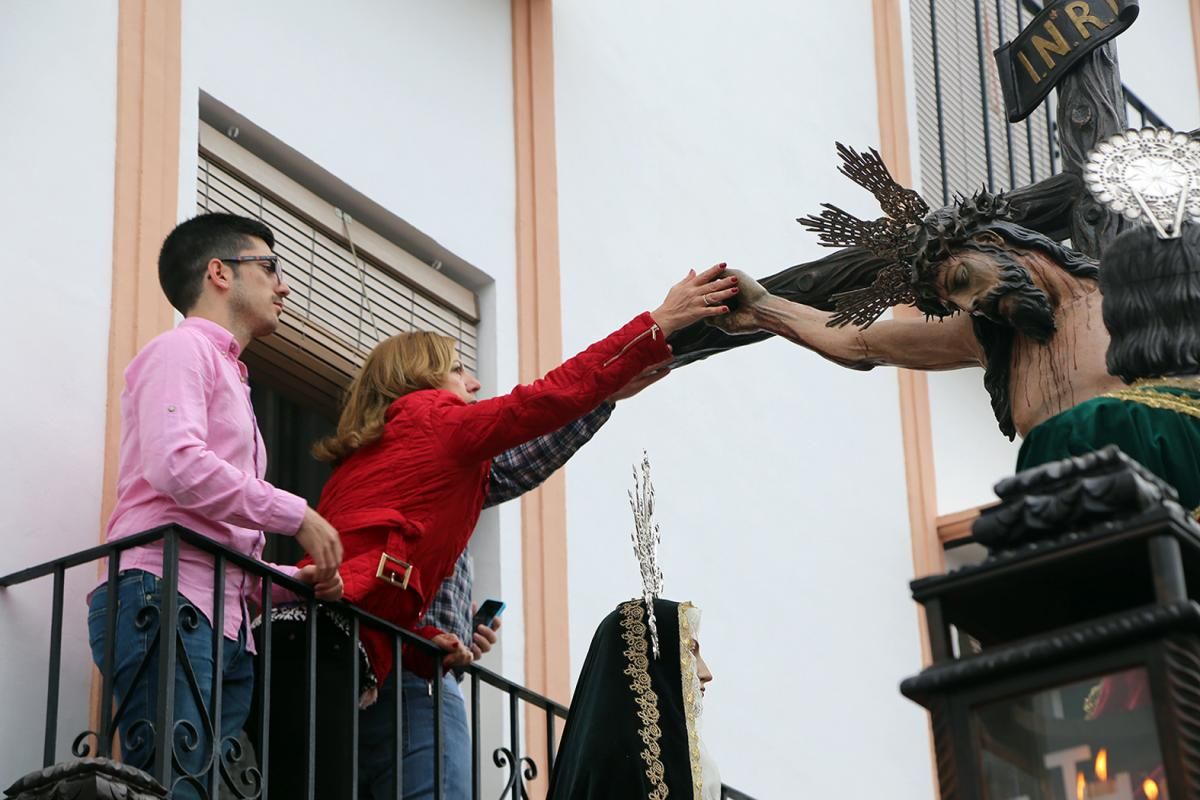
(743, 313)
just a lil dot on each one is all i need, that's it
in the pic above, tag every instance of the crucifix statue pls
(998, 288)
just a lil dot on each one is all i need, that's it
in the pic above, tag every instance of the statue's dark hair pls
(1151, 305)
(995, 338)
(997, 343)
(938, 244)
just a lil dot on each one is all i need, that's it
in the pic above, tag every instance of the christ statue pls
(994, 294)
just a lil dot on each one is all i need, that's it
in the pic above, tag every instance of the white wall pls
(687, 134)
(969, 452)
(409, 103)
(691, 133)
(56, 218)
(1158, 64)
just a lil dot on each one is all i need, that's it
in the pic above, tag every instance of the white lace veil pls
(710, 775)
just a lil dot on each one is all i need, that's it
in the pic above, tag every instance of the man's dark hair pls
(1151, 291)
(188, 249)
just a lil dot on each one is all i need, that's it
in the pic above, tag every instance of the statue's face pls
(967, 279)
(985, 277)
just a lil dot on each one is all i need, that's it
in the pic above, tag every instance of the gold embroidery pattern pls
(691, 697)
(1144, 392)
(644, 696)
(1190, 384)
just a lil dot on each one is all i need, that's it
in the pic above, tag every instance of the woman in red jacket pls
(413, 449)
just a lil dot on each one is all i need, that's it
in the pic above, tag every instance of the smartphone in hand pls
(487, 613)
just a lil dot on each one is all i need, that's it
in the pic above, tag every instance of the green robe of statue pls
(1155, 421)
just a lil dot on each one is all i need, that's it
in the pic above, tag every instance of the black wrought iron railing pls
(965, 139)
(1140, 112)
(226, 769)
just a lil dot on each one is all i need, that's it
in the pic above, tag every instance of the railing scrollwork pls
(203, 760)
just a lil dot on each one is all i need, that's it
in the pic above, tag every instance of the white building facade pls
(547, 171)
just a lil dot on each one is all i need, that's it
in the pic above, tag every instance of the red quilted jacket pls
(416, 493)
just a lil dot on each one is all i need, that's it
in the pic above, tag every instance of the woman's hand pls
(459, 656)
(329, 589)
(694, 298)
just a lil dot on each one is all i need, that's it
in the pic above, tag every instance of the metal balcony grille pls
(234, 771)
(964, 137)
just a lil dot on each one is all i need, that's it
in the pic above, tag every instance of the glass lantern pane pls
(1091, 740)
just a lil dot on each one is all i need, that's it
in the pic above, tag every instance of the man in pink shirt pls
(192, 454)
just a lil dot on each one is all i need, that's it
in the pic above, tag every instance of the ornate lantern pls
(1066, 666)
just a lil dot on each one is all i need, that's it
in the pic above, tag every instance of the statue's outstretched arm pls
(812, 284)
(911, 342)
(1045, 206)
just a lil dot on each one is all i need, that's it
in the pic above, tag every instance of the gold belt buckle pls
(393, 574)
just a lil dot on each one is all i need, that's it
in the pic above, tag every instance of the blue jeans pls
(377, 747)
(139, 595)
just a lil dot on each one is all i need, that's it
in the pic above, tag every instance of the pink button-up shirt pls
(192, 454)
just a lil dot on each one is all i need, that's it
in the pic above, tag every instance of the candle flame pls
(1080, 786)
(1150, 789)
(1102, 764)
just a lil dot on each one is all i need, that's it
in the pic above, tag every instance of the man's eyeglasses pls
(270, 263)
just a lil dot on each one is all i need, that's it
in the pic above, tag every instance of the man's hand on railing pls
(320, 540)
(459, 656)
(484, 636)
(330, 589)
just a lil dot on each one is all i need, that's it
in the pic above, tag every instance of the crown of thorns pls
(908, 237)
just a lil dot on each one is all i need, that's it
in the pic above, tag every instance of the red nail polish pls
(733, 278)
(733, 290)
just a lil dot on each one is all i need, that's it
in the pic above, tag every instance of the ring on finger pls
(707, 302)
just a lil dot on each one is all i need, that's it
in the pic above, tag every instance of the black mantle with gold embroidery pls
(627, 735)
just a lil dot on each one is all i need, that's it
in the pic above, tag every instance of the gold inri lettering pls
(1080, 14)
(1033, 73)
(1056, 44)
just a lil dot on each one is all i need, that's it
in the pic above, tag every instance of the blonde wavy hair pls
(398, 365)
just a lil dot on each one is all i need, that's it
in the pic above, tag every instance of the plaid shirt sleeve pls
(527, 466)
(513, 473)
(450, 608)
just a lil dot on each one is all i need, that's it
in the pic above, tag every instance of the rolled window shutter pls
(340, 305)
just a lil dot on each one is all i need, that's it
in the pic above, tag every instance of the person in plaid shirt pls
(513, 472)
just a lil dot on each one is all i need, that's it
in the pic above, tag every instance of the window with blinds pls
(346, 296)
